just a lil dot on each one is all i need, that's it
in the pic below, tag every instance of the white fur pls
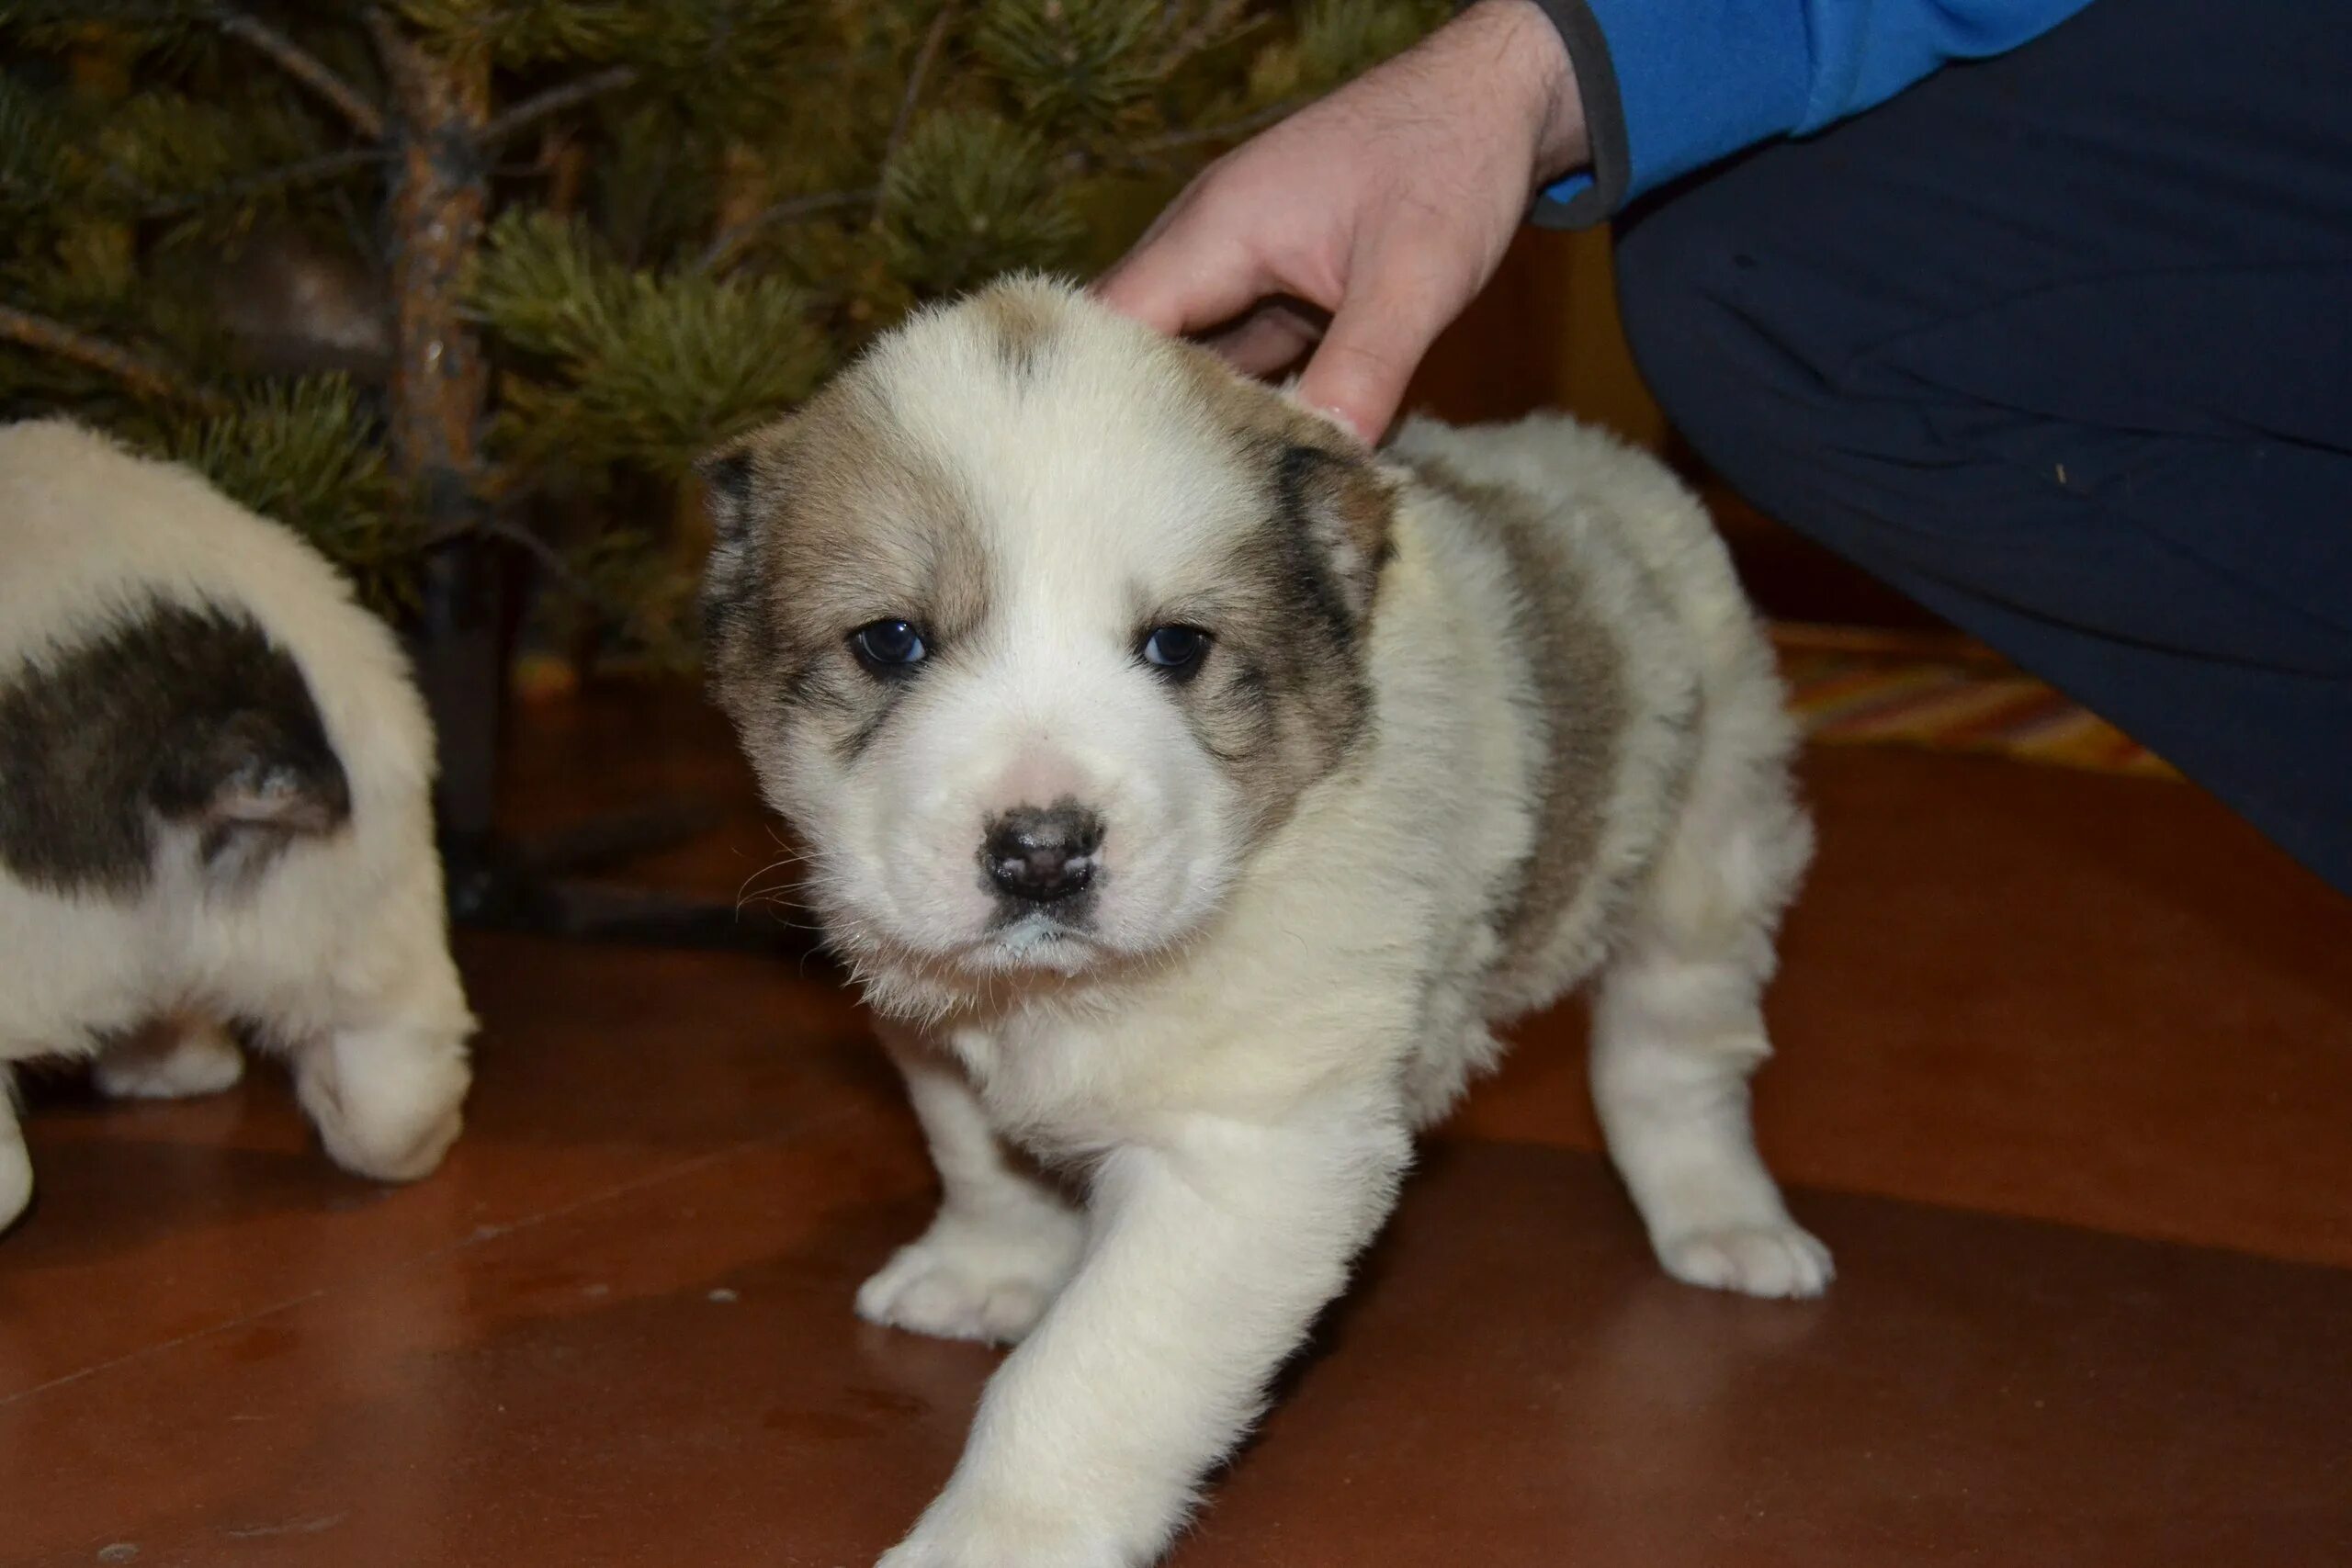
(1003, 1243)
(1239, 1062)
(1047, 705)
(338, 952)
(1677, 1025)
(178, 1059)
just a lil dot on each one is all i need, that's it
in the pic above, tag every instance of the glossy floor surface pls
(2065, 1079)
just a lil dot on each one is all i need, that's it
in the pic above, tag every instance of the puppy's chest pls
(1065, 1087)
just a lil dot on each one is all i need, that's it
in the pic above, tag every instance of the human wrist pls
(1532, 59)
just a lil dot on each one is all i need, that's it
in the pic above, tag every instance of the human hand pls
(1387, 206)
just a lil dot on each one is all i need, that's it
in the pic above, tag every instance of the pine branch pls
(304, 67)
(971, 195)
(142, 376)
(555, 100)
(1232, 129)
(492, 525)
(1215, 21)
(723, 249)
(398, 54)
(320, 168)
(931, 39)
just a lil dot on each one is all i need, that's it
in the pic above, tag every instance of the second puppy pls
(215, 807)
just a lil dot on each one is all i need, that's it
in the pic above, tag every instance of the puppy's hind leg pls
(384, 1080)
(1003, 1243)
(1678, 1028)
(174, 1058)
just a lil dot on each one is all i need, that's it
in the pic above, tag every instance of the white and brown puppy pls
(1193, 791)
(215, 779)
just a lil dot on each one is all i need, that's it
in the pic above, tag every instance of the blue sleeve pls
(1672, 86)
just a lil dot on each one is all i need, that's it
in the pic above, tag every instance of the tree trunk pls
(440, 382)
(439, 196)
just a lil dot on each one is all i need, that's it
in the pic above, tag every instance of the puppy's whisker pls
(748, 893)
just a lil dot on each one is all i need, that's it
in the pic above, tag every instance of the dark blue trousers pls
(2061, 345)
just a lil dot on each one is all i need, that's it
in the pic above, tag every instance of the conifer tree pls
(575, 241)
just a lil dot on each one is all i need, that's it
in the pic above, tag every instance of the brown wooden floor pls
(2066, 1079)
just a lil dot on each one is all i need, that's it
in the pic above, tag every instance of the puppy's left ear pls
(1337, 498)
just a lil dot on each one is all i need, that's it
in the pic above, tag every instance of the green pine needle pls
(634, 368)
(306, 453)
(969, 195)
(766, 186)
(1084, 65)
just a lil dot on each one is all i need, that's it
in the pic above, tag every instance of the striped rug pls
(1853, 686)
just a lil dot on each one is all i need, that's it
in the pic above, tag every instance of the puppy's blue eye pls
(1175, 650)
(888, 645)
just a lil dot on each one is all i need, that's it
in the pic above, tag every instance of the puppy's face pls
(1036, 626)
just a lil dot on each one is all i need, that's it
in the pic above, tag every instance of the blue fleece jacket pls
(1670, 85)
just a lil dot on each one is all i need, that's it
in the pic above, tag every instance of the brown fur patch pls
(840, 525)
(1242, 405)
(1021, 321)
(1343, 494)
(1284, 697)
(1580, 692)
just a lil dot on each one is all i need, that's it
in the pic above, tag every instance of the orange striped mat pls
(1856, 686)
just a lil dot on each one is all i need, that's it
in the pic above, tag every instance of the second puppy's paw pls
(172, 1060)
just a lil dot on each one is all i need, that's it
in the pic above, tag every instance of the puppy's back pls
(94, 538)
(187, 690)
(1639, 639)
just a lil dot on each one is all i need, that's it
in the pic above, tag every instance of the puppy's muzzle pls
(1040, 854)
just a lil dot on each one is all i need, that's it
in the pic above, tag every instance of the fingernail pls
(1344, 420)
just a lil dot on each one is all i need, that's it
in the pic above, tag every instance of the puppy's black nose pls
(1040, 854)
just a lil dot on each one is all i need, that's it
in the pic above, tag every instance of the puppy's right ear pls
(733, 494)
(728, 473)
(732, 497)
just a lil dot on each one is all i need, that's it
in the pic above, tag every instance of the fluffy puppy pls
(215, 806)
(1193, 791)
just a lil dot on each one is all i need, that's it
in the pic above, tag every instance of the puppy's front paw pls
(1757, 1260)
(960, 1534)
(946, 1554)
(988, 1278)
